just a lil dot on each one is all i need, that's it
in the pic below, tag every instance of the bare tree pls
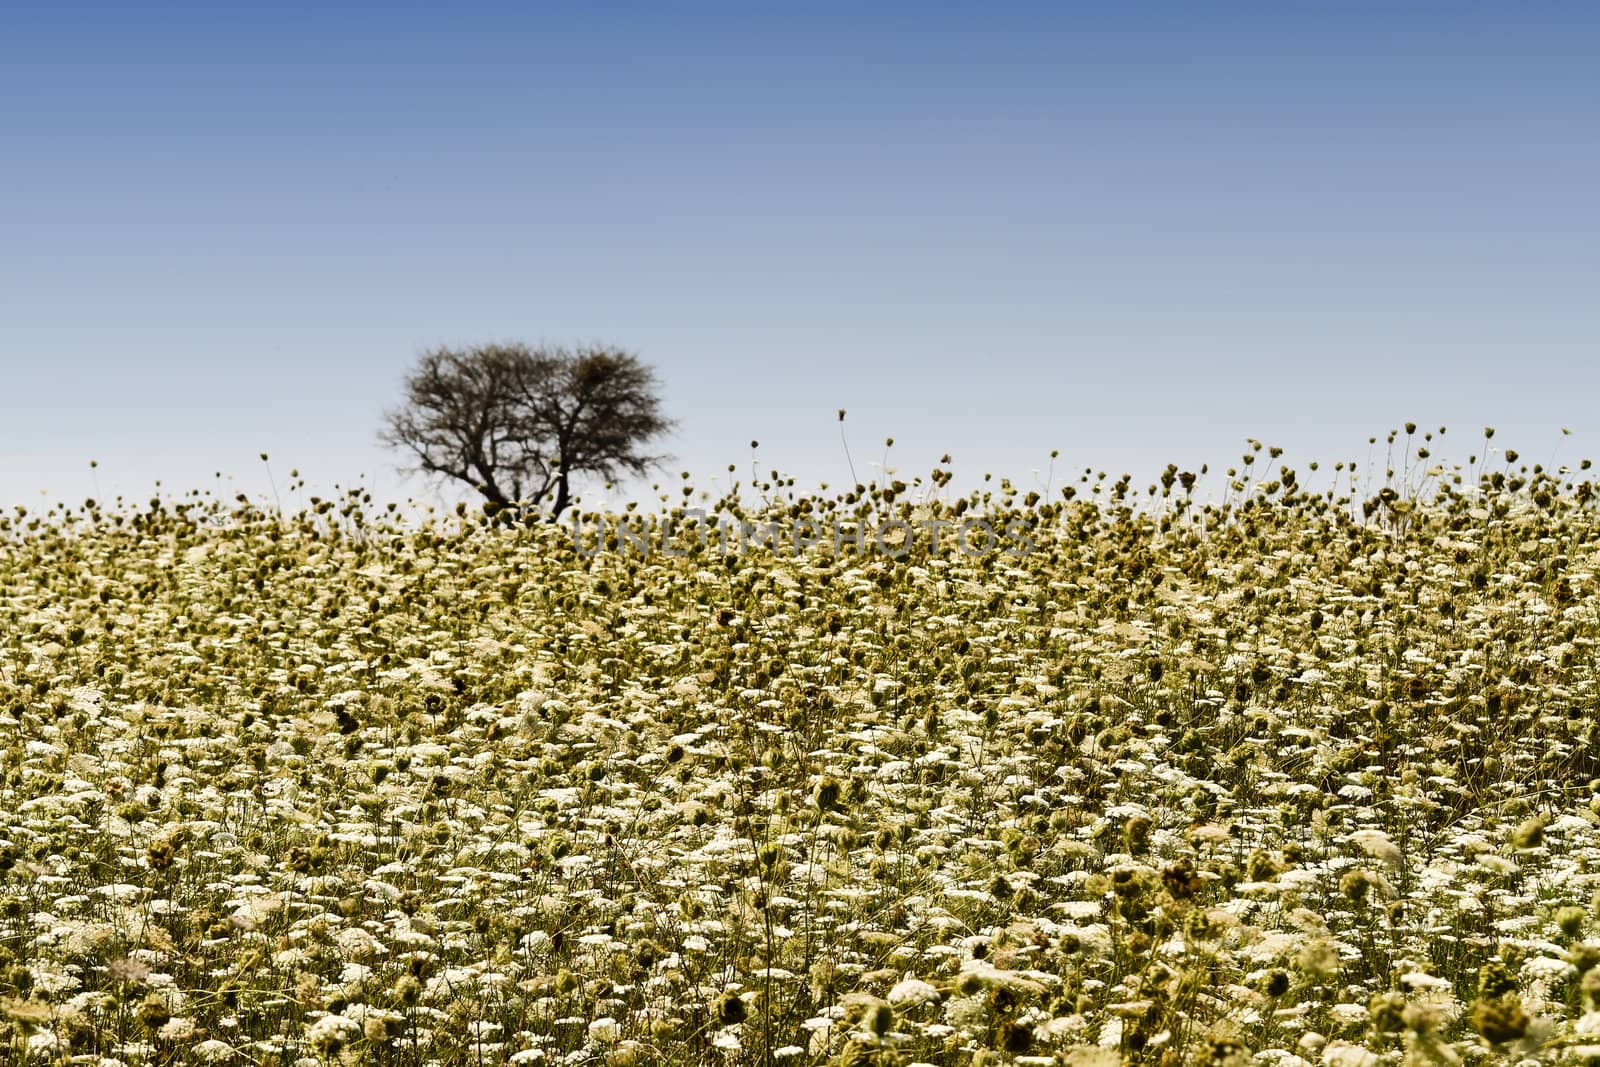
(516, 423)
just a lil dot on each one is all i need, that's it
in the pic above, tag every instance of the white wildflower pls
(1344, 1054)
(911, 992)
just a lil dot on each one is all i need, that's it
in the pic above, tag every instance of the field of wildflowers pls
(1302, 777)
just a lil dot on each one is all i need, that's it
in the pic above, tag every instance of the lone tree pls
(516, 423)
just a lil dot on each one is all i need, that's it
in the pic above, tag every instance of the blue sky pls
(1134, 233)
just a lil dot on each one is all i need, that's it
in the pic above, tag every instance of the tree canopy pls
(516, 422)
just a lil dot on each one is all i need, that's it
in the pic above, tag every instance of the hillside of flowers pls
(1292, 776)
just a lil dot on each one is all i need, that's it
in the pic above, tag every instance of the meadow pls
(1293, 776)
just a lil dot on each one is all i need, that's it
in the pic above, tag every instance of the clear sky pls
(1131, 232)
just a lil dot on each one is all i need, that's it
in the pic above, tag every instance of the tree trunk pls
(563, 497)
